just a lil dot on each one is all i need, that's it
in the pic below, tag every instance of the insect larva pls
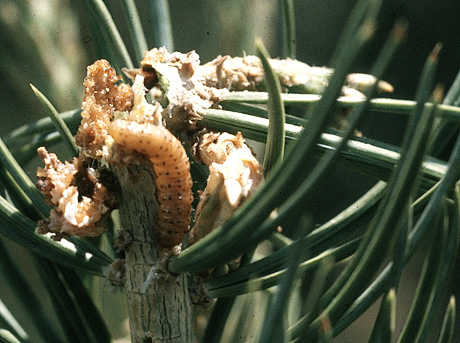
(172, 170)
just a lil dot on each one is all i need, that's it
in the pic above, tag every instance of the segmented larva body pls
(172, 169)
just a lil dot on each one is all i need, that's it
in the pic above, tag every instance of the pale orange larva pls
(172, 169)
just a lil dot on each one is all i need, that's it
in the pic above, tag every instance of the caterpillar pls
(172, 170)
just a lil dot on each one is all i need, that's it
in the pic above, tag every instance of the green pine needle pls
(61, 126)
(274, 148)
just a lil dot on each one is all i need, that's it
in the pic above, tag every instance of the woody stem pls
(159, 306)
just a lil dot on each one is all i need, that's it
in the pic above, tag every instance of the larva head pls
(150, 77)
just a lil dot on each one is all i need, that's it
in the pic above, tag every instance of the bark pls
(159, 306)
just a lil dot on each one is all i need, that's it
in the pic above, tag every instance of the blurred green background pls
(48, 43)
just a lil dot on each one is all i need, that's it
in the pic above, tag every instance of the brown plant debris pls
(102, 98)
(235, 174)
(186, 88)
(80, 200)
(174, 80)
